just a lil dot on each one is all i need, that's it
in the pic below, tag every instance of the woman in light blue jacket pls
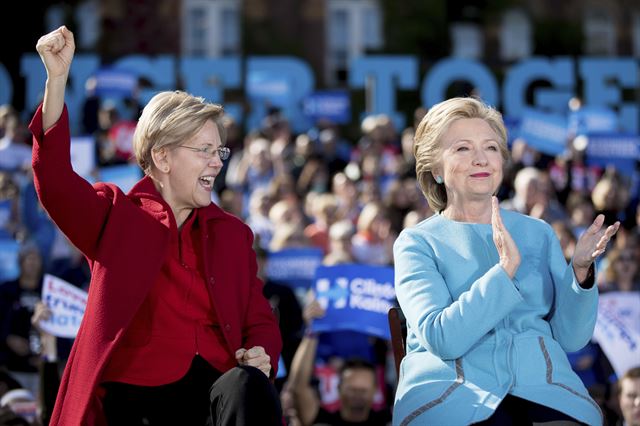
(490, 302)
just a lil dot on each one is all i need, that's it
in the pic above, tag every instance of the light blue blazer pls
(474, 335)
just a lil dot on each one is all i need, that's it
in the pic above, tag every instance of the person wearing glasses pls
(176, 329)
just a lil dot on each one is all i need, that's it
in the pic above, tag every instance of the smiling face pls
(187, 176)
(471, 161)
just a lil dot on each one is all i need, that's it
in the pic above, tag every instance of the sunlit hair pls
(427, 146)
(369, 213)
(631, 374)
(172, 118)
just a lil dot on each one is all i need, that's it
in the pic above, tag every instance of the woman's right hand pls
(56, 51)
(507, 248)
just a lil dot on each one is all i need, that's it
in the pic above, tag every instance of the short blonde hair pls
(427, 146)
(169, 119)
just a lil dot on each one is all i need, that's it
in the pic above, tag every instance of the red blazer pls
(125, 239)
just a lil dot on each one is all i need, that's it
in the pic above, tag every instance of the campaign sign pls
(9, 268)
(617, 329)
(592, 119)
(83, 156)
(613, 149)
(355, 297)
(121, 137)
(124, 175)
(544, 132)
(332, 105)
(295, 267)
(512, 124)
(271, 86)
(115, 83)
(67, 304)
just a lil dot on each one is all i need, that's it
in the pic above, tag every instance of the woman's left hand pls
(592, 243)
(255, 357)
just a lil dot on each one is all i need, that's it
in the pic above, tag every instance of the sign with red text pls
(67, 304)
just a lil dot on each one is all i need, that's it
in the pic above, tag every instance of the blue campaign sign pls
(544, 132)
(125, 175)
(332, 105)
(512, 124)
(115, 83)
(355, 297)
(592, 119)
(9, 268)
(276, 88)
(613, 149)
(295, 267)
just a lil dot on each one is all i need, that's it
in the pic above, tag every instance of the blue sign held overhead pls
(355, 297)
(114, 83)
(270, 86)
(592, 119)
(613, 149)
(332, 105)
(512, 124)
(544, 132)
(294, 267)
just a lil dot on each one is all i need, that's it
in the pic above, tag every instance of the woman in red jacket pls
(174, 302)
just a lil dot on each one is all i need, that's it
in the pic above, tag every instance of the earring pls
(439, 180)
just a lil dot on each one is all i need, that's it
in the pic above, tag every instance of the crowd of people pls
(349, 195)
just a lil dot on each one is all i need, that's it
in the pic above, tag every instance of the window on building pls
(197, 31)
(515, 36)
(467, 40)
(211, 27)
(353, 27)
(230, 31)
(338, 31)
(372, 24)
(635, 31)
(599, 31)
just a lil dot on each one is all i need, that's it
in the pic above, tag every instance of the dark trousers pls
(517, 411)
(241, 396)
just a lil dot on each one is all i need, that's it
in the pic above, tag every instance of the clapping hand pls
(507, 248)
(592, 243)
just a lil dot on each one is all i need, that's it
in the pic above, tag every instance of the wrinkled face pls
(191, 174)
(630, 401)
(471, 162)
(357, 390)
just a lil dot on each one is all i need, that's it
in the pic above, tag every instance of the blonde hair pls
(169, 119)
(369, 213)
(427, 146)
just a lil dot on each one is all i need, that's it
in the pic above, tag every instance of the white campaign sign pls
(67, 304)
(617, 329)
